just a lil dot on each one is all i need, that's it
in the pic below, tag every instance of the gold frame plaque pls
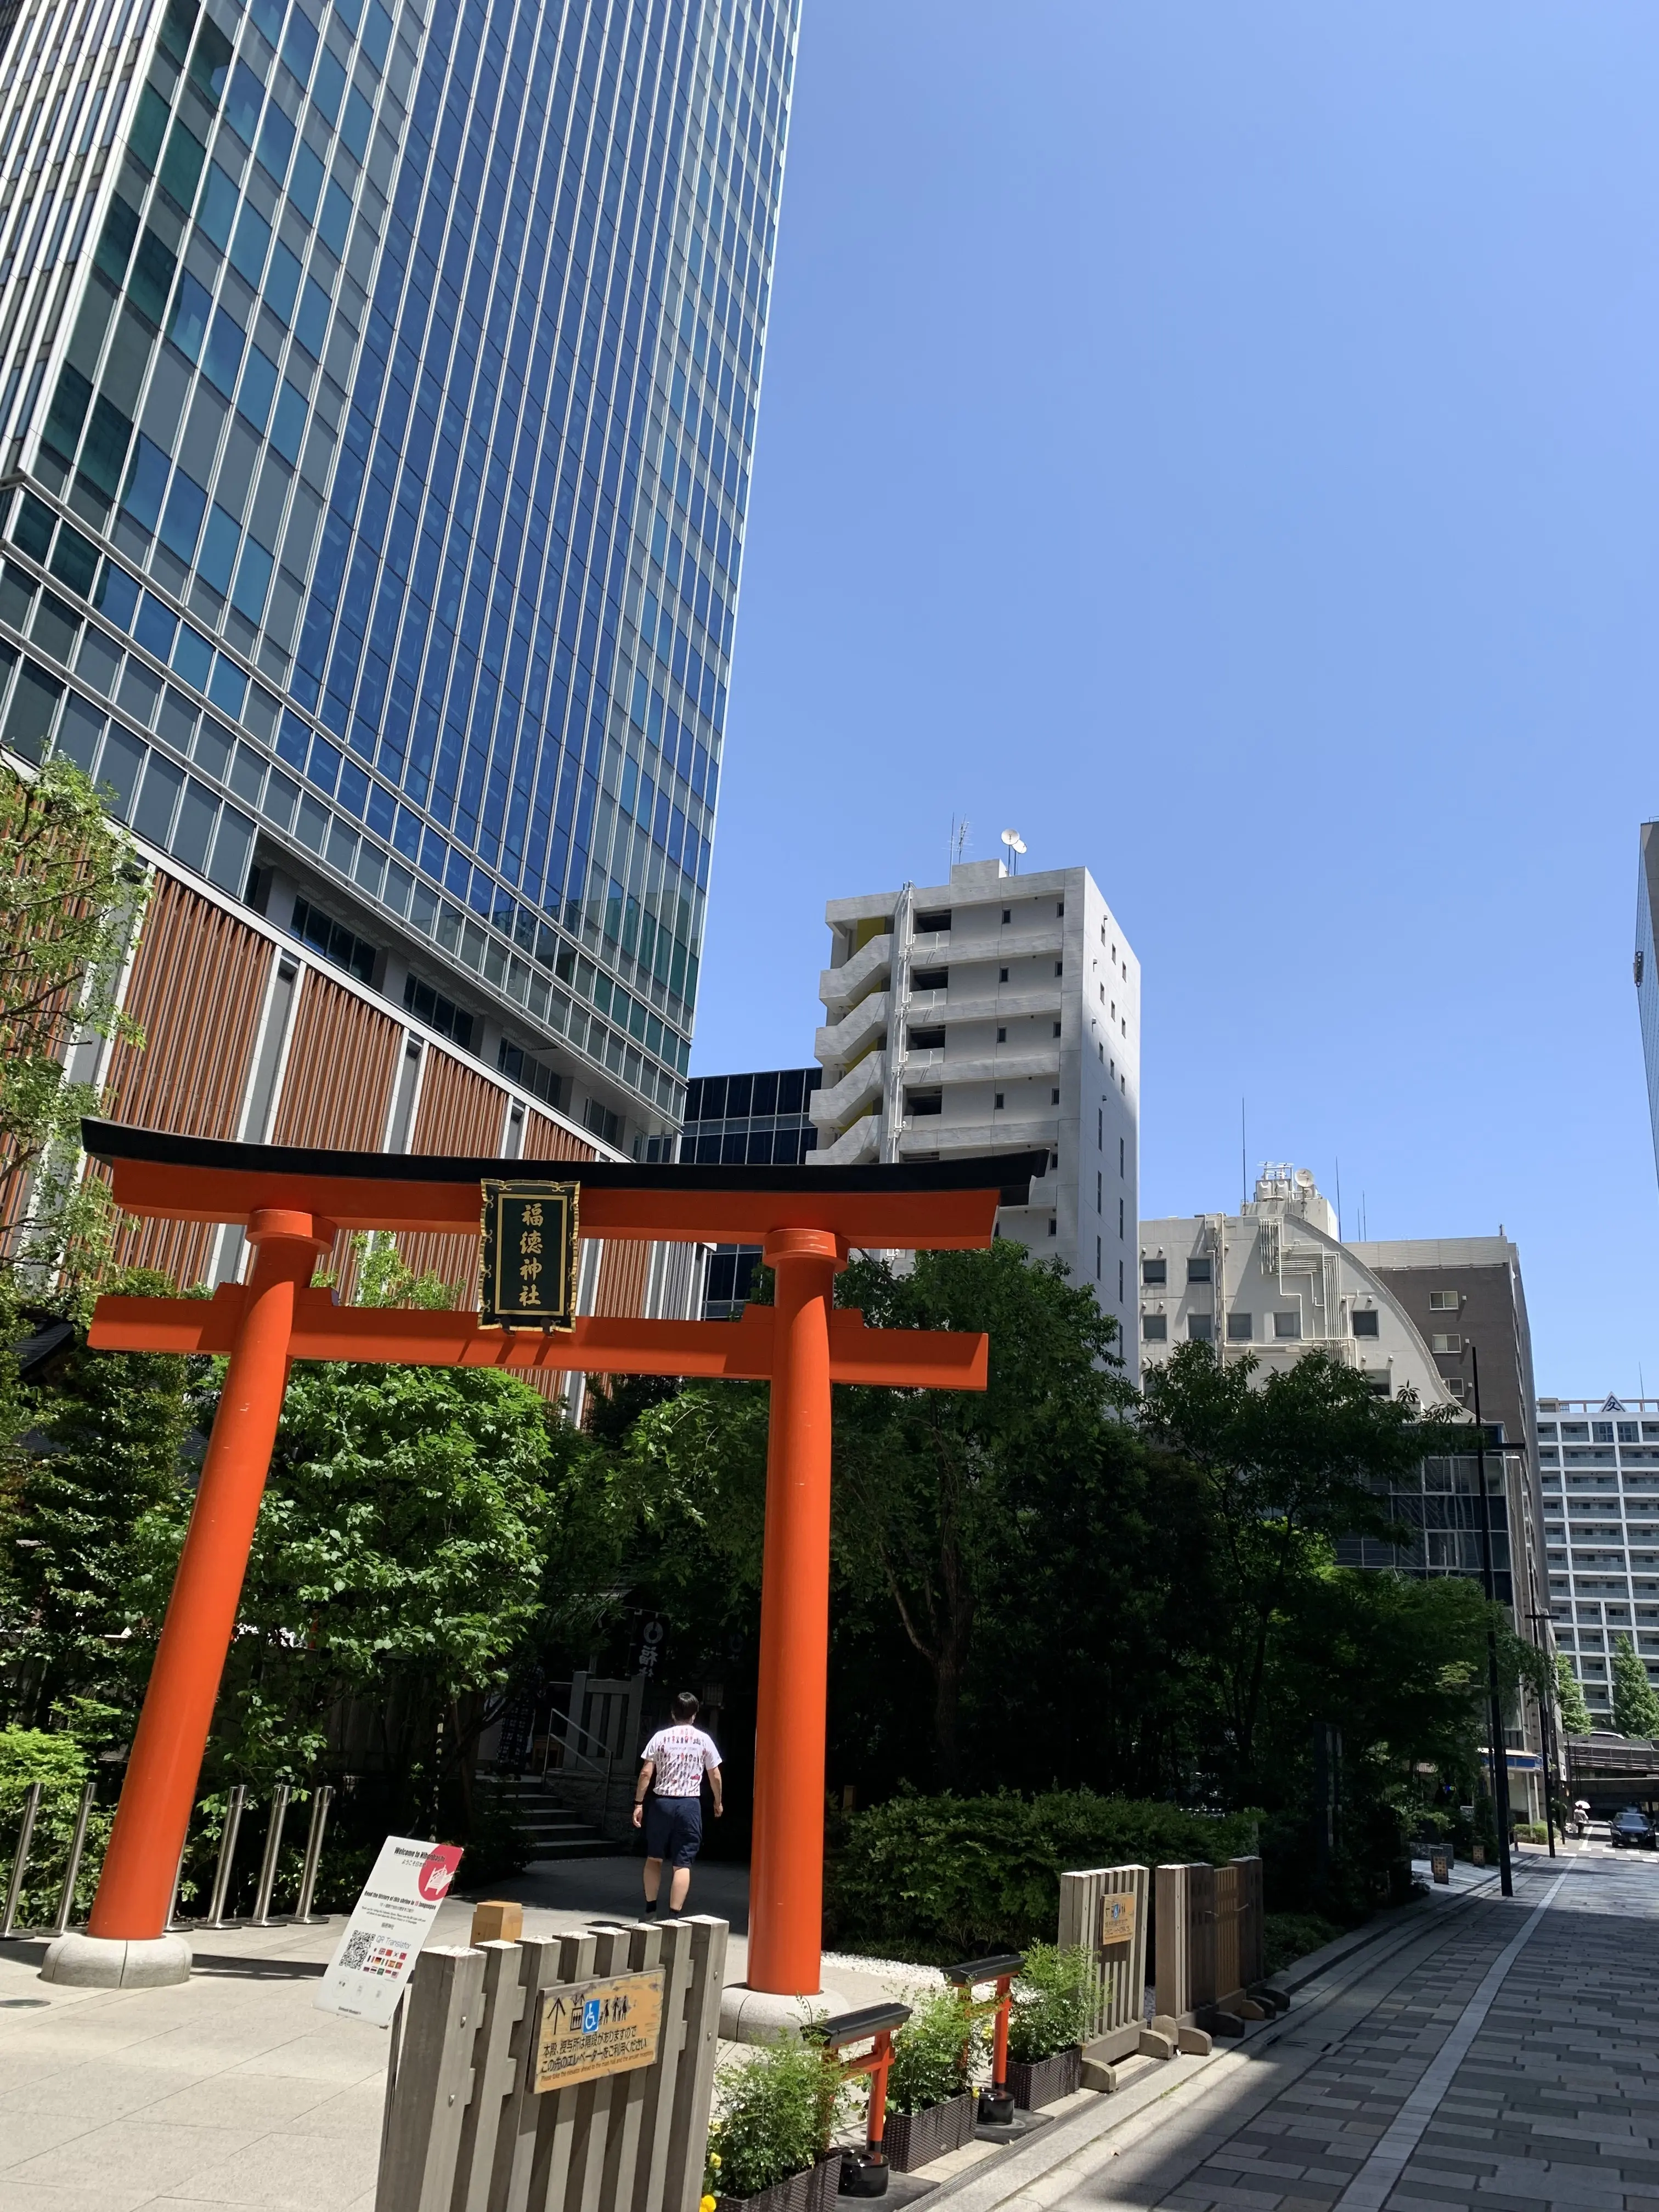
(530, 1233)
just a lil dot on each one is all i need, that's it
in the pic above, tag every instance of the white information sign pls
(389, 1923)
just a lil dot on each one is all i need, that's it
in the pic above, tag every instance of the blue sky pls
(1220, 442)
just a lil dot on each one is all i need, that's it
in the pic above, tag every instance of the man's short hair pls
(685, 1707)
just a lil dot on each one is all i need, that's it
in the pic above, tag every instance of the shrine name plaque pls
(528, 1255)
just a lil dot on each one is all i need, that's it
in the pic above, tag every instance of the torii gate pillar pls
(785, 1867)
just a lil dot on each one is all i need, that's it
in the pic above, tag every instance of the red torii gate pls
(292, 1203)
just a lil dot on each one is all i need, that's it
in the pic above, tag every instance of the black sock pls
(650, 1907)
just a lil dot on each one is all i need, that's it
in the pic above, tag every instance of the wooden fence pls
(1104, 1911)
(466, 2129)
(1208, 1946)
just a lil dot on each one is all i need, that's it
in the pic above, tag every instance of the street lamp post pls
(1546, 1723)
(1500, 1763)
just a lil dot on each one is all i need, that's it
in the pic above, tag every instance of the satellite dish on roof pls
(1016, 845)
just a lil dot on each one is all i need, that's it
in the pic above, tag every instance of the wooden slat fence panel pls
(1228, 1982)
(1201, 1932)
(1210, 1935)
(1120, 1969)
(1252, 1931)
(1172, 1971)
(426, 2097)
(627, 2143)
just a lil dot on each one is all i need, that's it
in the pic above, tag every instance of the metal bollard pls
(76, 1850)
(227, 1853)
(321, 1798)
(279, 1797)
(19, 1864)
(172, 1920)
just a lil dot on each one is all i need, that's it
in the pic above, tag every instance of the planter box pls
(1046, 2080)
(812, 2191)
(915, 2139)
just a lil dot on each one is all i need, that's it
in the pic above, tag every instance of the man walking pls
(675, 1761)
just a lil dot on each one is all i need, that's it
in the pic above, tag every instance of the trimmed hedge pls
(938, 1878)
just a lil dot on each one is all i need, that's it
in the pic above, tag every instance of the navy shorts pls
(673, 1829)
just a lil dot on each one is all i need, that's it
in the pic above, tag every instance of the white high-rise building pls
(996, 1013)
(1601, 1478)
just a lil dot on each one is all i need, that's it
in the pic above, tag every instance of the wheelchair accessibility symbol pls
(591, 2016)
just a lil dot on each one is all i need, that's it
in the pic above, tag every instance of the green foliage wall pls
(944, 1878)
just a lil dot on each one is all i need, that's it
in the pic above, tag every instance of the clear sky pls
(1219, 441)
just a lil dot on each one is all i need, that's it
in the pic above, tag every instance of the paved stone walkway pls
(232, 2091)
(1418, 2090)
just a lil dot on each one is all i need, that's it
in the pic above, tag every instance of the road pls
(1507, 2060)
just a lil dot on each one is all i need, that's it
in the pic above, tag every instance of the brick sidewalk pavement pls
(1553, 2106)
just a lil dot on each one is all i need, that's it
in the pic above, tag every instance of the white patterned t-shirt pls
(681, 1756)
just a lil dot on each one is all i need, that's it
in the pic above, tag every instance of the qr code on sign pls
(357, 1949)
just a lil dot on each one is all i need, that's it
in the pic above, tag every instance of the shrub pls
(59, 1763)
(945, 1878)
(933, 2054)
(1531, 1832)
(776, 2110)
(1287, 1937)
(1054, 2003)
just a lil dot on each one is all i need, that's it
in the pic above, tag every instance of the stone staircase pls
(555, 1830)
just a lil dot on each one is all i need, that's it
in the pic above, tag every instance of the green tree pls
(398, 1559)
(1288, 1465)
(1635, 1707)
(70, 894)
(102, 1450)
(1396, 1664)
(930, 1483)
(1575, 1713)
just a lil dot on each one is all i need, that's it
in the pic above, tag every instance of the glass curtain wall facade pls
(1442, 1506)
(383, 383)
(752, 1121)
(746, 1121)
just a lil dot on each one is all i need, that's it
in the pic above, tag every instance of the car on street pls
(1631, 1831)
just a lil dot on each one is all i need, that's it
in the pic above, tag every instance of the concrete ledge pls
(762, 2016)
(112, 1962)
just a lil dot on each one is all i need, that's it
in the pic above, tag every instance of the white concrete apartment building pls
(995, 1013)
(1601, 1477)
(1276, 1280)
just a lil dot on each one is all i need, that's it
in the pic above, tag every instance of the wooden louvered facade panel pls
(544, 1140)
(624, 1265)
(341, 1063)
(461, 1113)
(196, 990)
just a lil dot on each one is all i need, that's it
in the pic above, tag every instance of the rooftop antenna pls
(1016, 845)
(959, 827)
(1243, 1167)
(1339, 1194)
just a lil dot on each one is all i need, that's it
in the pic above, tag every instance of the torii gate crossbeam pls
(292, 1203)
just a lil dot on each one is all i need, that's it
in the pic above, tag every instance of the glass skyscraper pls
(377, 392)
